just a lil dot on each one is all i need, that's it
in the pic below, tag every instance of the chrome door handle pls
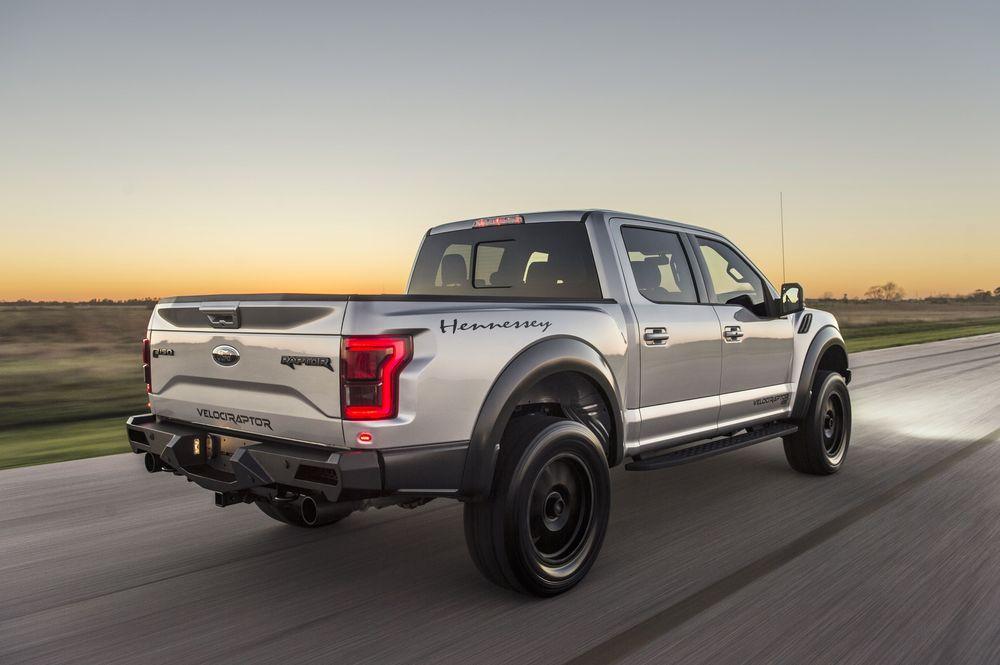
(655, 336)
(732, 334)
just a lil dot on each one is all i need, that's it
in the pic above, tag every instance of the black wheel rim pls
(833, 425)
(560, 511)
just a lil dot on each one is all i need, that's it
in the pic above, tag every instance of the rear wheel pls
(543, 528)
(820, 445)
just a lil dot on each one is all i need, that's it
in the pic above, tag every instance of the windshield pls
(548, 260)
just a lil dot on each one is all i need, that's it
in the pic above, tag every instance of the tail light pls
(369, 377)
(497, 221)
(146, 374)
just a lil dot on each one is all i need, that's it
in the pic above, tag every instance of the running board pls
(711, 448)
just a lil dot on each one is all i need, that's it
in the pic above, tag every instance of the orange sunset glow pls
(267, 150)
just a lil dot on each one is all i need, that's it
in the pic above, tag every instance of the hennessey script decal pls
(456, 326)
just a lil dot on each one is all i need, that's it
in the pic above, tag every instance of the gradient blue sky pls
(160, 148)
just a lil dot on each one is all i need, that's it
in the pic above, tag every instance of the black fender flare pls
(536, 362)
(826, 337)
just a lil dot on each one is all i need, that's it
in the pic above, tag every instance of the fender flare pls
(826, 337)
(536, 362)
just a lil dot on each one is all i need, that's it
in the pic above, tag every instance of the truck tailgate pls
(268, 368)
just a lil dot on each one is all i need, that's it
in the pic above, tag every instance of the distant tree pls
(827, 295)
(996, 292)
(885, 292)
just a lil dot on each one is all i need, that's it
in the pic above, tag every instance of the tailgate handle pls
(227, 316)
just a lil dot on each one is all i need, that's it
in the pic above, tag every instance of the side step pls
(711, 448)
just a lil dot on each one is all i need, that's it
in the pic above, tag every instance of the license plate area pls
(219, 448)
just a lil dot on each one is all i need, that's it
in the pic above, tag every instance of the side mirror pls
(792, 299)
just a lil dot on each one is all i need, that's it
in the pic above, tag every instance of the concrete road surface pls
(894, 560)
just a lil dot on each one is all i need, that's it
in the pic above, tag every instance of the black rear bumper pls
(428, 470)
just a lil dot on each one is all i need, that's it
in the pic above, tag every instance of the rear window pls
(548, 260)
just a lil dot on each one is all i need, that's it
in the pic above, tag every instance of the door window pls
(732, 280)
(661, 270)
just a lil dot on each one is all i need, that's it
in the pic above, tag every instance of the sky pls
(154, 149)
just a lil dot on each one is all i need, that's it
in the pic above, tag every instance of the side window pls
(731, 279)
(661, 270)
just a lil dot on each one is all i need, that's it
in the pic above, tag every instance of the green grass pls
(866, 338)
(42, 444)
(70, 363)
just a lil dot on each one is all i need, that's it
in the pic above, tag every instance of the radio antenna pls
(781, 227)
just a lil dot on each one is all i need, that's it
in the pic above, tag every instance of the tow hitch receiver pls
(223, 499)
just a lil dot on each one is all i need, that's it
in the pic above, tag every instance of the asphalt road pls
(894, 560)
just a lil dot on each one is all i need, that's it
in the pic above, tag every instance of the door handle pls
(732, 334)
(655, 336)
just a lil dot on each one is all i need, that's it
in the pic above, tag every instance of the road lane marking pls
(652, 628)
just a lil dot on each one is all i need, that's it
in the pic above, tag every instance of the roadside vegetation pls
(868, 325)
(881, 336)
(70, 373)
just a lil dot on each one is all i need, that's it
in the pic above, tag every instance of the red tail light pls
(369, 376)
(146, 374)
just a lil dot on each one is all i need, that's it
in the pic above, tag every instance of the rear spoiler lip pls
(257, 297)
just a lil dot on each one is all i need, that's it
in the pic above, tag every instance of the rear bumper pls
(428, 470)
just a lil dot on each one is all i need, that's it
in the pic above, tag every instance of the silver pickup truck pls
(530, 354)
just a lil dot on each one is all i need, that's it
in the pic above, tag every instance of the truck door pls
(680, 349)
(756, 344)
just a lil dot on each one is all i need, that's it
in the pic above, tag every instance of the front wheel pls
(820, 445)
(542, 530)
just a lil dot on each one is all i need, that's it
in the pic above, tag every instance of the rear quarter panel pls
(459, 350)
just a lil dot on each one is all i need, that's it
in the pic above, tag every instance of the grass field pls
(866, 338)
(70, 374)
(861, 314)
(68, 377)
(41, 444)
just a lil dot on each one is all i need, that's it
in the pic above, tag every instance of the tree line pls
(132, 302)
(893, 292)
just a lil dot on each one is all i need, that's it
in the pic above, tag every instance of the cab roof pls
(563, 216)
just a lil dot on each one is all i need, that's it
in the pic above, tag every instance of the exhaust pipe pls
(153, 463)
(318, 513)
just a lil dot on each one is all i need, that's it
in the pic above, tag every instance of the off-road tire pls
(820, 446)
(542, 529)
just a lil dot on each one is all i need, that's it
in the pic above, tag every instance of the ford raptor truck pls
(529, 355)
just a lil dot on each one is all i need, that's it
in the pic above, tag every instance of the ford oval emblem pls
(225, 355)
